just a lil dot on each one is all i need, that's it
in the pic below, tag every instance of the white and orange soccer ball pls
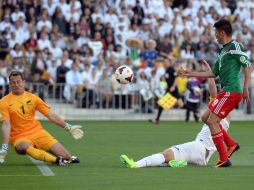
(124, 74)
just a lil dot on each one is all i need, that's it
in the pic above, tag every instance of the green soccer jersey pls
(228, 66)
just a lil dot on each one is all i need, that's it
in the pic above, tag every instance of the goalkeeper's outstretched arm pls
(74, 130)
(6, 130)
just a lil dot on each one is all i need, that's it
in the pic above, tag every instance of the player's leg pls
(187, 116)
(45, 141)
(218, 139)
(26, 147)
(157, 119)
(149, 161)
(205, 115)
(58, 150)
(170, 159)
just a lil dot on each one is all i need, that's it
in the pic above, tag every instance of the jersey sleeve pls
(242, 58)
(41, 106)
(4, 111)
(215, 68)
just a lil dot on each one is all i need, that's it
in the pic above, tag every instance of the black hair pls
(16, 73)
(224, 25)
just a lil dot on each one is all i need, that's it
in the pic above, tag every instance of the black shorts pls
(175, 93)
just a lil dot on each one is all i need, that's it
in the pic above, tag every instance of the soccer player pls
(197, 152)
(227, 67)
(25, 133)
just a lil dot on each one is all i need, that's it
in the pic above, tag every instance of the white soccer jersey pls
(194, 152)
(205, 135)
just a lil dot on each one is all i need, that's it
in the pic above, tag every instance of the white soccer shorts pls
(193, 152)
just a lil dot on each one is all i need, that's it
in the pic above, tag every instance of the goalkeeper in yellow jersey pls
(25, 133)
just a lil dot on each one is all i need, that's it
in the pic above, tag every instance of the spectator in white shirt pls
(16, 14)
(56, 51)
(16, 52)
(43, 42)
(44, 21)
(83, 39)
(50, 6)
(65, 8)
(73, 15)
(5, 23)
(52, 72)
(20, 33)
(73, 81)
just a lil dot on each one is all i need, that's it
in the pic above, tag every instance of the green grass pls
(105, 141)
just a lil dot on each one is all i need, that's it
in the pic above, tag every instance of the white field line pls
(44, 169)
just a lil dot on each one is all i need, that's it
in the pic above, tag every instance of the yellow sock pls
(40, 155)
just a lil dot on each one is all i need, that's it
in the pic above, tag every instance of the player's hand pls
(205, 65)
(75, 131)
(3, 152)
(246, 95)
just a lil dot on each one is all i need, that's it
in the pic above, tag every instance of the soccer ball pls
(124, 74)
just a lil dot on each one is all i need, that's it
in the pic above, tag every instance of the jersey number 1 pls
(22, 109)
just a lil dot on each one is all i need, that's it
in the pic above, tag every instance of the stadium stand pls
(69, 49)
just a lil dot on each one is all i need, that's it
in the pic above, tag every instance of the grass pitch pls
(105, 141)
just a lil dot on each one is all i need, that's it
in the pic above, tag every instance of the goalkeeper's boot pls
(156, 122)
(128, 163)
(231, 150)
(223, 164)
(60, 161)
(177, 164)
(74, 160)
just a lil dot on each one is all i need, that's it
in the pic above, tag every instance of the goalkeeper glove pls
(74, 130)
(3, 152)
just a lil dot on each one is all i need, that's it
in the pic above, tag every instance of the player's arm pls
(44, 109)
(6, 130)
(204, 74)
(244, 61)
(211, 83)
(74, 130)
(247, 79)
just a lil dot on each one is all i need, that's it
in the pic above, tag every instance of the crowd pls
(80, 43)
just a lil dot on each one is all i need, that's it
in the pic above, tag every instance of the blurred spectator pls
(4, 46)
(164, 47)
(73, 81)
(6, 22)
(193, 98)
(44, 21)
(38, 65)
(16, 52)
(150, 55)
(16, 14)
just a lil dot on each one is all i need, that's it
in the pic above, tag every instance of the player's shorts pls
(40, 139)
(175, 93)
(224, 103)
(193, 152)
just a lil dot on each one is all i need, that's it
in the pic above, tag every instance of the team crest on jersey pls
(242, 59)
(215, 101)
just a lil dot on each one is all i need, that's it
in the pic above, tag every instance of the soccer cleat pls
(74, 160)
(61, 162)
(231, 150)
(177, 164)
(223, 164)
(128, 163)
(156, 122)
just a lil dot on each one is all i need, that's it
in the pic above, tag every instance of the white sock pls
(153, 160)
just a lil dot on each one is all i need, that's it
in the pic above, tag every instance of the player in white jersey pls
(196, 152)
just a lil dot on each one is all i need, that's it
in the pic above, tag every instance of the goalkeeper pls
(25, 133)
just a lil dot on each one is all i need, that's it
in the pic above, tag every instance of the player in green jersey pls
(228, 67)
